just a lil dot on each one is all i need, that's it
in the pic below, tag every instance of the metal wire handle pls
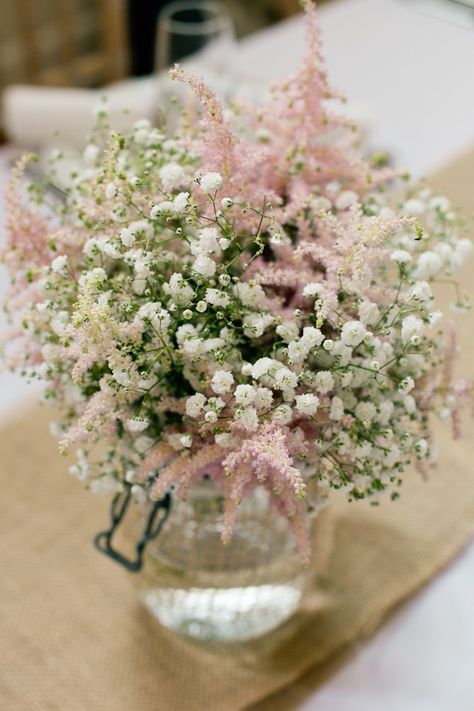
(118, 509)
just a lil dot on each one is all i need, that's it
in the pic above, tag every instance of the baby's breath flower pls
(222, 382)
(411, 326)
(204, 265)
(307, 404)
(217, 298)
(324, 381)
(401, 256)
(111, 191)
(353, 333)
(59, 265)
(172, 175)
(210, 182)
(137, 424)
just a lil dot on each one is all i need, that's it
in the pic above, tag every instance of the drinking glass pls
(201, 32)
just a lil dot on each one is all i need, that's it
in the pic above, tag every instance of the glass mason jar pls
(195, 585)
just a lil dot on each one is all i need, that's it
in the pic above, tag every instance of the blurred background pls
(90, 43)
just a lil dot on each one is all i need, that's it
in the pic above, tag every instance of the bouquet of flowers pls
(248, 298)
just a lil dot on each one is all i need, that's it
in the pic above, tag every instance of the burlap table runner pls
(75, 638)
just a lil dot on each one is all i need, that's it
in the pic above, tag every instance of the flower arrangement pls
(249, 299)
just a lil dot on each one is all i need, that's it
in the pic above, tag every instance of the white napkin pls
(36, 116)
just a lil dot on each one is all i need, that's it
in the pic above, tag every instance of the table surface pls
(410, 70)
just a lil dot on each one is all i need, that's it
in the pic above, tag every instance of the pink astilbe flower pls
(159, 456)
(223, 151)
(185, 468)
(300, 125)
(267, 455)
(27, 244)
(98, 414)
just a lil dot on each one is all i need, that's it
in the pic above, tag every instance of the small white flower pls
(409, 404)
(59, 265)
(406, 385)
(307, 404)
(255, 324)
(127, 237)
(206, 242)
(180, 291)
(162, 208)
(285, 379)
(222, 382)
(210, 182)
(421, 447)
(263, 398)
(204, 265)
(288, 330)
(215, 297)
(282, 414)
(324, 381)
(172, 175)
(262, 366)
(94, 277)
(386, 409)
(195, 405)
(411, 326)
(248, 418)
(429, 265)
(464, 247)
(313, 289)
(368, 313)
(353, 333)
(180, 202)
(297, 351)
(250, 294)
(435, 317)
(245, 394)
(211, 416)
(336, 410)
(328, 345)
(226, 203)
(137, 424)
(346, 379)
(365, 411)
(110, 191)
(439, 202)
(312, 337)
(421, 291)
(401, 256)
(201, 307)
(186, 440)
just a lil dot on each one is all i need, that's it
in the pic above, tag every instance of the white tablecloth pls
(414, 72)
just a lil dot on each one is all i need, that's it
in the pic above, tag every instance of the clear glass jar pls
(194, 584)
